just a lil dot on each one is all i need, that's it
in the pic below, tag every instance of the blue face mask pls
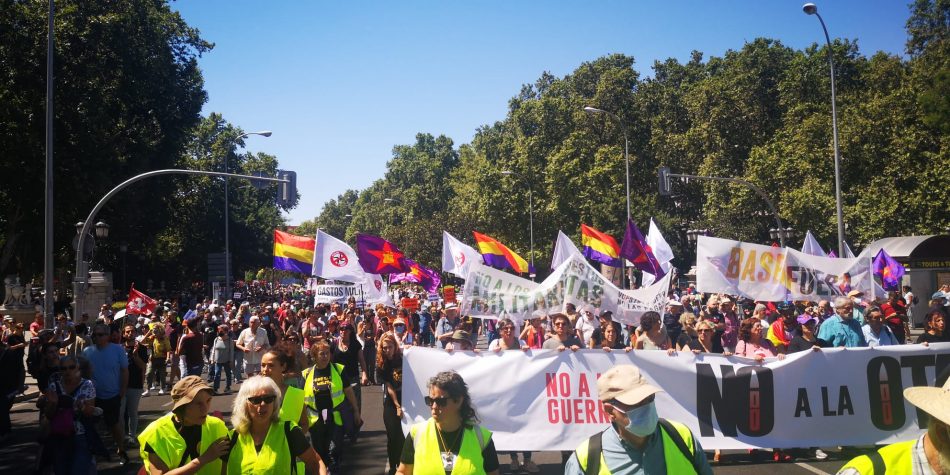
(642, 420)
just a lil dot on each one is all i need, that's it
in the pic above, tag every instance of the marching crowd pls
(301, 368)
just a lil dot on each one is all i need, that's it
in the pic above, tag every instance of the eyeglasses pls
(559, 324)
(257, 400)
(440, 401)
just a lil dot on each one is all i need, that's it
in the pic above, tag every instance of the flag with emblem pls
(379, 256)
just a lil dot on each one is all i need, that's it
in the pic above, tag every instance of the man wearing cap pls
(927, 454)
(187, 437)
(637, 441)
(461, 341)
(447, 324)
(843, 329)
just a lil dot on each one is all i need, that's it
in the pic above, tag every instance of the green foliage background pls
(761, 112)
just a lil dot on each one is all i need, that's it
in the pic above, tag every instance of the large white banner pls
(777, 274)
(546, 400)
(490, 293)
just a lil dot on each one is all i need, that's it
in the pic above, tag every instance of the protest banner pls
(547, 400)
(448, 294)
(339, 293)
(410, 304)
(490, 293)
(774, 274)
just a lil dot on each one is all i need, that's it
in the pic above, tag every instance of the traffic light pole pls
(665, 175)
(79, 278)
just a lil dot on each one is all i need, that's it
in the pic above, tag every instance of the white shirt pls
(586, 325)
(251, 340)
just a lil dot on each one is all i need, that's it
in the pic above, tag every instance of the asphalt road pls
(368, 455)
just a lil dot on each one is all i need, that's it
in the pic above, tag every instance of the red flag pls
(139, 303)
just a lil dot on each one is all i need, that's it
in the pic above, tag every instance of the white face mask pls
(642, 420)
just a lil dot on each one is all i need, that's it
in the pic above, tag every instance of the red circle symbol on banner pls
(460, 259)
(339, 259)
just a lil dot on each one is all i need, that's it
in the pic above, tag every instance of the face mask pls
(642, 420)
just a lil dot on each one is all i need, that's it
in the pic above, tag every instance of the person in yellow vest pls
(262, 443)
(274, 365)
(927, 454)
(638, 441)
(326, 387)
(451, 441)
(186, 440)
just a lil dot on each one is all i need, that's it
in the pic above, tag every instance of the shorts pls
(110, 409)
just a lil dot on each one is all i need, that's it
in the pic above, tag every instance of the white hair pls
(240, 417)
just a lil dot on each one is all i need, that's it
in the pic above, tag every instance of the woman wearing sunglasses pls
(262, 443)
(451, 441)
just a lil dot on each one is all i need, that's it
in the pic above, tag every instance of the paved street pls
(367, 456)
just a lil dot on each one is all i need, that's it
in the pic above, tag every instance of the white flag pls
(812, 247)
(457, 256)
(564, 248)
(335, 259)
(662, 251)
(848, 253)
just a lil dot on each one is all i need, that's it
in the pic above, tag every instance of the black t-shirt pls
(927, 337)
(136, 375)
(391, 373)
(322, 384)
(488, 453)
(800, 344)
(350, 359)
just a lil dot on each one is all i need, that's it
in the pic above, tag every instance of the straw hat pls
(933, 401)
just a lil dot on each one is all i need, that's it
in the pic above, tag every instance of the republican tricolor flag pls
(497, 255)
(293, 253)
(600, 247)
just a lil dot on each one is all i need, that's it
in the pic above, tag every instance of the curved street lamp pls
(812, 9)
(530, 219)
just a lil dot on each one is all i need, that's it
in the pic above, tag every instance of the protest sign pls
(547, 400)
(490, 292)
(777, 274)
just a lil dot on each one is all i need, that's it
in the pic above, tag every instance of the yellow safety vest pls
(676, 461)
(336, 394)
(427, 459)
(273, 458)
(168, 444)
(292, 406)
(897, 458)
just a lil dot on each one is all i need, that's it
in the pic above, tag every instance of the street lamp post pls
(812, 9)
(227, 217)
(626, 159)
(530, 221)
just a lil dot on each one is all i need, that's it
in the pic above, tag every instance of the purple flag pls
(418, 274)
(889, 270)
(636, 250)
(379, 256)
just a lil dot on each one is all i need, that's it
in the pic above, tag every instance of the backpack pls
(62, 423)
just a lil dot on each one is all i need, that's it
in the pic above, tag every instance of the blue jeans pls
(72, 455)
(238, 364)
(218, 367)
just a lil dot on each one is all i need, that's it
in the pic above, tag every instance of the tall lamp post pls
(626, 159)
(530, 220)
(227, 217)
(812, 9)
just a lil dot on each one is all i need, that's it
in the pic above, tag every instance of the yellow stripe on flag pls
(295, 253)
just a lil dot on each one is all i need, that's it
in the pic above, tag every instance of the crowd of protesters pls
(309, 361)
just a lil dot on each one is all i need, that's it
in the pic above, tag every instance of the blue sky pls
(341, 83)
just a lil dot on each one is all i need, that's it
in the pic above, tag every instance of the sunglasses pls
(704, 330)
(257, 400)
(440, 401)
(559, 324)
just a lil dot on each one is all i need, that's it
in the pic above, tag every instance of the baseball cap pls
(625, 384)
(805, 318)
(938, 295)
(186, 389)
